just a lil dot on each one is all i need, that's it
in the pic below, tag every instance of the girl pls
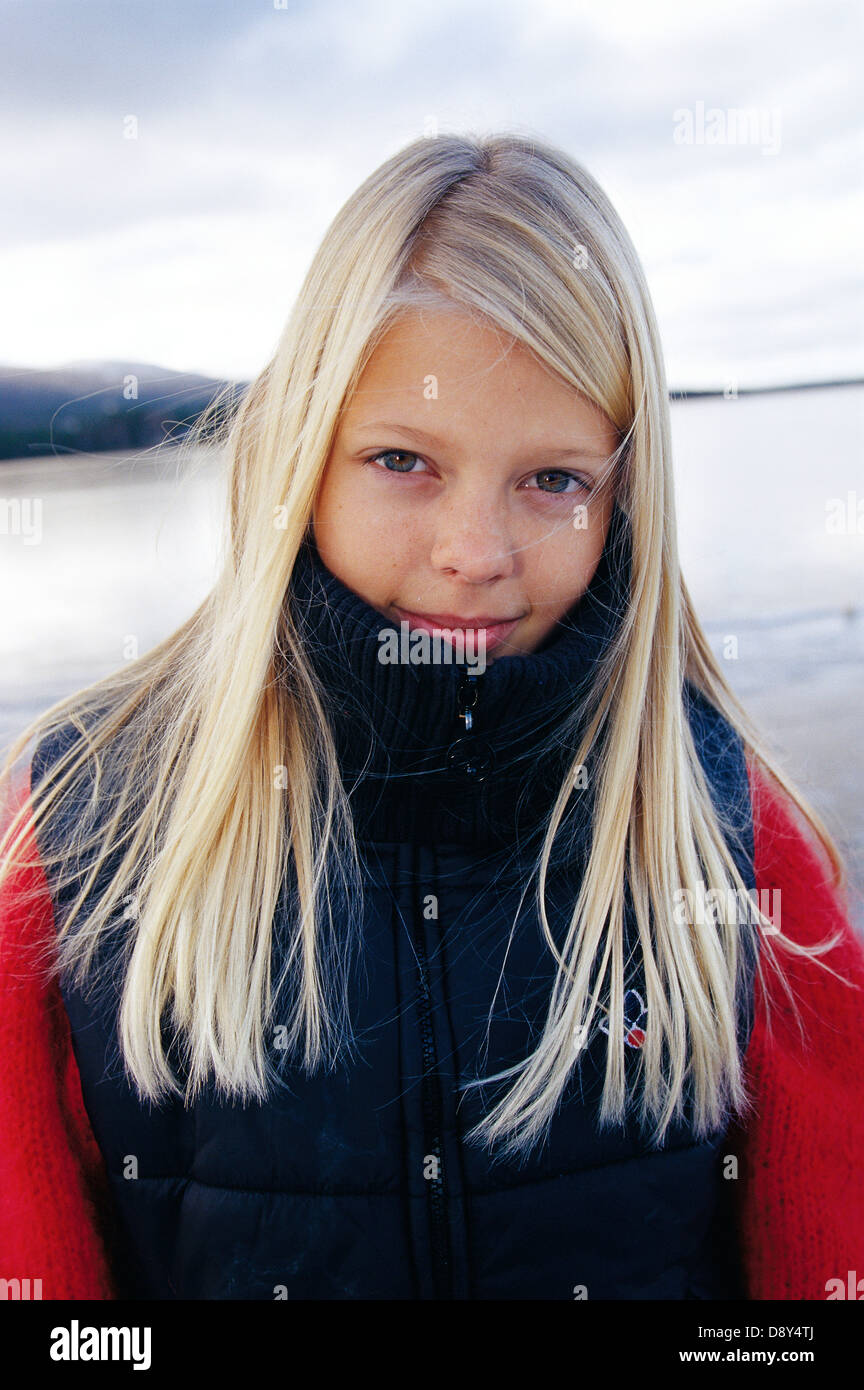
(425, 919)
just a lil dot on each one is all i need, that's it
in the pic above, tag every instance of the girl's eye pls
(555, 480)
(406, 464)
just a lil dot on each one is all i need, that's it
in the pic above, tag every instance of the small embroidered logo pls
(634, 1008)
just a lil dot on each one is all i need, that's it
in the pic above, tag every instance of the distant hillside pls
(88, 406)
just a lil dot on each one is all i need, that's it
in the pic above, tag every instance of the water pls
(760, 483)
(127, 550)
(754, 477)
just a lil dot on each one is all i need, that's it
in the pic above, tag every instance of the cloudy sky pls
(256, 118)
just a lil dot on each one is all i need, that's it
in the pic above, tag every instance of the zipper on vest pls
(433, 1149)
(469, 755)
(471, 758)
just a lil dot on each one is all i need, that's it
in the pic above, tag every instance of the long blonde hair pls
(206, 729)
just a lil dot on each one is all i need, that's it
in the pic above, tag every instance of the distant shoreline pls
(702, 393)
(111, 407)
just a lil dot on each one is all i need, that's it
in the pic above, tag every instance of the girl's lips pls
(493, 633)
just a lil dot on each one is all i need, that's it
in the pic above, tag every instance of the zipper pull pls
(467, 755)
(467, 695)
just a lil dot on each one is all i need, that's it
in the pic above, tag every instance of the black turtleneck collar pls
(396, 724)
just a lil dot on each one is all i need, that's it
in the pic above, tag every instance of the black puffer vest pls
(358, 1182)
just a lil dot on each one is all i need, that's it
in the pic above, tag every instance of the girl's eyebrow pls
(549, 451)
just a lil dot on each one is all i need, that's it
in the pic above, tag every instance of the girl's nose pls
(475, 543)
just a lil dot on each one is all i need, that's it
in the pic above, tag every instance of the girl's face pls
(462, 490)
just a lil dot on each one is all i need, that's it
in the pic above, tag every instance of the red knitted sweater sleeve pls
(53, 1184)
(799, 1193)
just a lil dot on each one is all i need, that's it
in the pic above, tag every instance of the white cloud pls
(186, 246)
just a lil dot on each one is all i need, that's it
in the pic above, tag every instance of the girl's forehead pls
(433, 368)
